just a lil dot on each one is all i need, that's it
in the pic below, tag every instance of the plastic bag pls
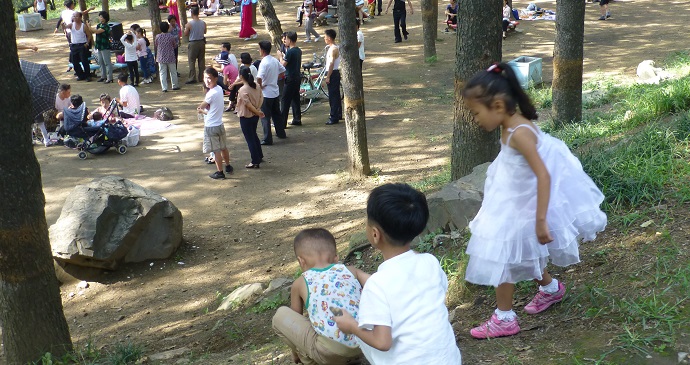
(132, 138)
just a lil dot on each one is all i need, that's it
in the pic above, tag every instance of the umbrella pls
(43, 86)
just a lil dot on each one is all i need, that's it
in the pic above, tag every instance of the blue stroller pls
(95, 140)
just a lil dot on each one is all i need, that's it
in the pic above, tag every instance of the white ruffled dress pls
(504, 247)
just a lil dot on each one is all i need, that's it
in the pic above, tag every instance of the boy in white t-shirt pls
(129, 98)
(402, 314)
(215, 139)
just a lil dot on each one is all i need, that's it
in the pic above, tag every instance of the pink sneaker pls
(494, 327)
(542, 301)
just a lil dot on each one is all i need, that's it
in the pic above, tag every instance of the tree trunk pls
(567, 62)
(275, 31)
(182, 10)
(155, 16)
(478, 46)
(429, 27)
(254, 22)
(105, 5)
(30, 306)
(353, 87)
(128, 4)
(82, 7)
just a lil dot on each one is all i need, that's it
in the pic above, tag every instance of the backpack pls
(163, 113)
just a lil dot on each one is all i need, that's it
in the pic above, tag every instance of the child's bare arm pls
(361, 276)
(297, 292)
(379, 338)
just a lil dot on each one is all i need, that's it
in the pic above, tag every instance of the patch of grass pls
(434, 181)
(541, 97)
(125, 353)
(271, 303)
(431, 60)
(234, 333)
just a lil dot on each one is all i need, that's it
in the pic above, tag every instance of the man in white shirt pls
(214, 130)
(267, 79)
(129, 98)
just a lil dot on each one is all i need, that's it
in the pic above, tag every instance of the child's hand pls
(346, 322)
(543, 234)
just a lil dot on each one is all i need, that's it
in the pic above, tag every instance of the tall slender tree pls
(273, 26)
(182, 10)
(155, 16)
(478, 46)
(429, 27)
(568, 52)
(105, 5)
(353, 87)
(31, 315)
(129, 5)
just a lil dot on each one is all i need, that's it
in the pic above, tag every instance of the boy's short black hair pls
(122, 77)
(226, 45)
(76, 100)
(194, 10)
(245, 58)
(292, 36)
(315, 240)
(265, 46)
(64, 87)
(399, 210)
(331, 33)
(97, 115)
(211, 72)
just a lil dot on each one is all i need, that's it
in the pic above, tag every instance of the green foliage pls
(431, 60)
(271, 303)
(541, 97)
(122, 354)
(434, 181)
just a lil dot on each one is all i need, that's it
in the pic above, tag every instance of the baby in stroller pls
(96, 137)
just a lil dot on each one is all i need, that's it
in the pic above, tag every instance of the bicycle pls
(312, 85)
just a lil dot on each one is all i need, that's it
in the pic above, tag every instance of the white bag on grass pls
(132, 137)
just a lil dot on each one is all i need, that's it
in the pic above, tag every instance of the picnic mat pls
(148, 126)
(534, 15)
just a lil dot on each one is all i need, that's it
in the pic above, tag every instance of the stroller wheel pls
(82, 155)
(122, 149)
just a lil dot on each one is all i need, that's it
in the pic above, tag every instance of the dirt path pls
(239, 230)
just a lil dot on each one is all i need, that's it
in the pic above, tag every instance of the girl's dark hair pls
(97, 116)
(142, 31)
(245, 58)
(105, 15)
(105, 96)
(134, 27)
(247, 76)
(129, 38)
(500, 81)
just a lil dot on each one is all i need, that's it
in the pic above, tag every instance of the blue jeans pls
(144, 67)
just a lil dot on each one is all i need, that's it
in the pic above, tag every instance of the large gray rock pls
(113, 220)
(456, 204)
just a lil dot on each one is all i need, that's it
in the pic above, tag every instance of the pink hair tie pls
(494, 68)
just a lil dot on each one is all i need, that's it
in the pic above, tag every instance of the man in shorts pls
(604, 7)
(214, 130)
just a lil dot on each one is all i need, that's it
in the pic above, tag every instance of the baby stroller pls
(95, 140)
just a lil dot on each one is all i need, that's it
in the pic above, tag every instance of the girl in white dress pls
(538, 203)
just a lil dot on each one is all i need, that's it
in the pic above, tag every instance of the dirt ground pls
(239, 230)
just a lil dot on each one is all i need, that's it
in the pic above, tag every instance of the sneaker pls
(542, 301)
(229, 169)
(254, 36)
(495, 327)
(317, 39)
(602, 17)
(308, 41)
(218, 175)
(608, 15)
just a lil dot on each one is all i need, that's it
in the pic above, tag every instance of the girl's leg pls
(551, 291)
(131, 66)
(504, 321)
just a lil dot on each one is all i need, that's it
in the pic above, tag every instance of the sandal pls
(252, 166)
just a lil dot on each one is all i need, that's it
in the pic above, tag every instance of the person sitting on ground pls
(321, 9)
(74, 116)
(403, 318)
(506, 17)
(324, 288)
(225, 54)
(62, 100)
(129, 98)
(451, 16)
(211, 8)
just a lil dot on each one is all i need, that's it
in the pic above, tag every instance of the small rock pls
(277, 283)
(682, 356)
(82, 285)
(121, 317)
(240, 294)
(647, 223)
(71, 294)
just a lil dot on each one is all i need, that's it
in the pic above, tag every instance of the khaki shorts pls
(214, 139)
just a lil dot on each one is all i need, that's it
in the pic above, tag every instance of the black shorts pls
(603, 2)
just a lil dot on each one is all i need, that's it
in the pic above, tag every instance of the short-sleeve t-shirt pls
(214, 99)
(129, 94)
(408, 294)
(230, 73)
(293, 57)
(360, 39)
